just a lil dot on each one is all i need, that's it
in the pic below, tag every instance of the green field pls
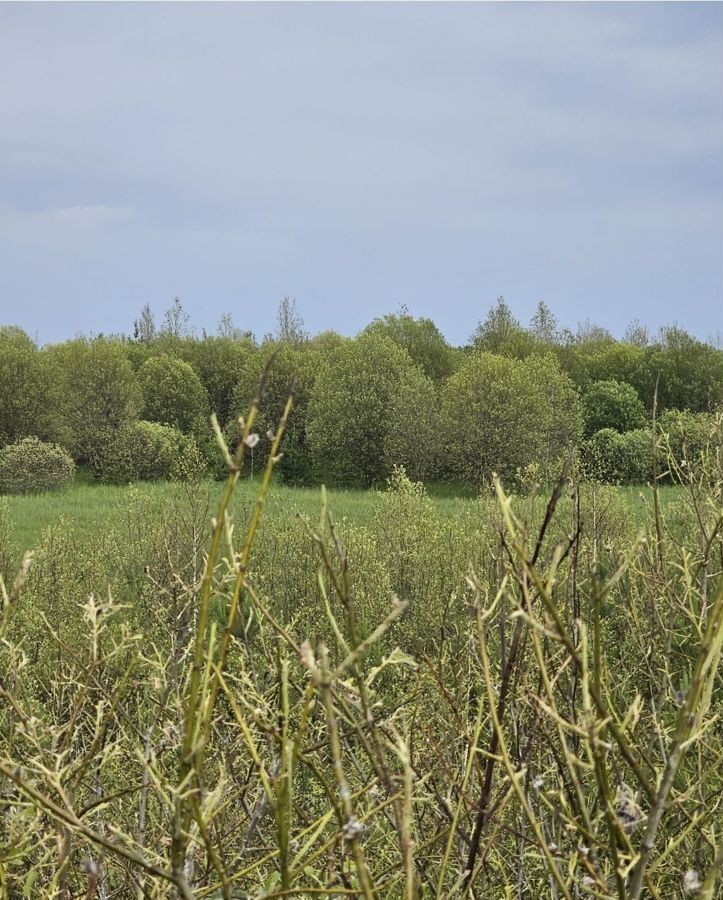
(87, 507)
(426, 667)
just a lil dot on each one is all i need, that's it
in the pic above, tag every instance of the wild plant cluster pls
(32, 465)
(396, 394)
(522, 704)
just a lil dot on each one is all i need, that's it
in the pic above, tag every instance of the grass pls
(436, 697)
(87, 507)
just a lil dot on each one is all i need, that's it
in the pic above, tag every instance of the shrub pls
(96, 391)
(612, 404)
(617, 458)
(502, 414)
(349, 408)
(686, 435)
(218, 362)
(422, 340)
(172, 393)
(25, 409)
(413, 438)
(291, 366)
(636, 456)
(144, 451)
(32, 465)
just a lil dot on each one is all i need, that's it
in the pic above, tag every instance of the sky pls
(358, 157)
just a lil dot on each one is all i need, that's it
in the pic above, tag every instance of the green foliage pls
(25, 383)
(616, 458)
(422, 340)
(688, 373)
(383, 406)
(143, 451)
(612, 404)
(604, 360)
(349, 408)
(687, 436)
(378, 681)
(500, 415)
(292, 366)
(327, 341)
(172, 393)
(544, 325)
(32, 466)
(9, 555)
(219, 363)
(502, 334)
(414, 439)
(95, 390)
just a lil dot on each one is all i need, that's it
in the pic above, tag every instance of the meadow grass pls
(88, 506)
(250, 690)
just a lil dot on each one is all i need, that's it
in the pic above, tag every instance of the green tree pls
(604, 360)
(25, 385)
(501, 415)
(413, 436)
(144, 327)
(422, 340)
(688, 373)
(349, 408)
(287, 366)
(95, 389)
(327, 341)
(617, 458)
(290, 324)
(502, 334)
(219, 363)
(172, 393)
(176, 321)
(544, 325)
(612, 404)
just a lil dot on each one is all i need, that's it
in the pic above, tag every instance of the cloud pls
(77, 218)
(278, 141)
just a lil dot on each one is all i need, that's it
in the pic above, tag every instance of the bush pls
(350, 407)
(422, 340)
(172, 393)
(612, 404)
(290, 366)
(32, 466)
(96, 391)
(617, 458)
(413, 438)
(25, 383)
(144, 451)
(686, 435)
(500, 415)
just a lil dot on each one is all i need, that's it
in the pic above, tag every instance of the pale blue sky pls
(358, 157)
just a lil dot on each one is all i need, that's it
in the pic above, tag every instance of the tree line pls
(513, 400)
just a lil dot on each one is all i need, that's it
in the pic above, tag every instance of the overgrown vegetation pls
(515, 399)
(33, 466)
(517, 701)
